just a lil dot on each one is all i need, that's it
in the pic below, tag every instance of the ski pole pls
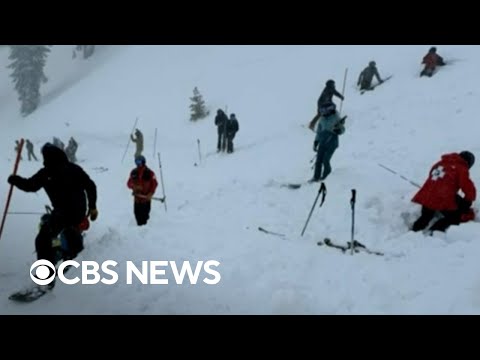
(155, 143)
(322, 190)
(161, 180)
(153, 198)
(270, 232)
(128, 144)
(199, 152)
(401, 176)
(9, 197)
(224, 136)
(343, 91)
(352, 202)
(24, 213)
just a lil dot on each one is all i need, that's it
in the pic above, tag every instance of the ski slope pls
(215, 208)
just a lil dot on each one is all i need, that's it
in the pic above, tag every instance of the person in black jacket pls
(30, 150)
(232, 128)
(325, 99)
(221, 122)
(73, 196)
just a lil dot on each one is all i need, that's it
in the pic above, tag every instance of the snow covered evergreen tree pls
(198, 108)
(28, 63)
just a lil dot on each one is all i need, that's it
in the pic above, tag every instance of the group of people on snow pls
(73, 194)
(227, 129)
(70, 150)
(29, 146)
(439, 195)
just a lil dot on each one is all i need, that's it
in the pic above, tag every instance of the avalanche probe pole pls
(17, 161)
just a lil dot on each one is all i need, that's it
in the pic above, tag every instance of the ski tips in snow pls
(293, 186)
(376, 85)
(270, 232)
(357, 247)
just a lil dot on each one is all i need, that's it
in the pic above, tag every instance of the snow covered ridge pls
(216, 208)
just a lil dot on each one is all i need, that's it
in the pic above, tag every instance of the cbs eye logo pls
(42, 272)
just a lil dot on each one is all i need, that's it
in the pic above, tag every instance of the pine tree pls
(28, 65)
(198, 108)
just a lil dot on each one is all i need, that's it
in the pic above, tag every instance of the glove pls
(463, 204)
(93, 214)
(13, 179)
(315, 146)
(137, 189)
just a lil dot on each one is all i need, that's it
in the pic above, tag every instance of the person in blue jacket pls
(329, 129)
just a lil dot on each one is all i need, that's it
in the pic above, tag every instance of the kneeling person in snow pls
(143, 182)
(431, 61)
(330, 127)
(440, 193)
(367, 75)
(71, 192)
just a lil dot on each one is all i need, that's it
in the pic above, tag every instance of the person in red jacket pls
(440, 193)
(143, 182)
(431, 61)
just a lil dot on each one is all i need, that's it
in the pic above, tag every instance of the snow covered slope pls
(214, 209)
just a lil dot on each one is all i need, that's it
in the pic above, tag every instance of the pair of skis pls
(376, 85)
(327, 242)
(357, 247)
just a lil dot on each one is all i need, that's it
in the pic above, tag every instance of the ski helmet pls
(372, 64)
(330, 83)
(140, 160)
(468, 157)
